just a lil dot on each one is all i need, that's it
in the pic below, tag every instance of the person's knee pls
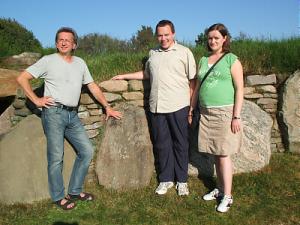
(55, 157)
(88, 153)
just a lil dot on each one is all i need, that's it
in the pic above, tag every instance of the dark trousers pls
(170, 141)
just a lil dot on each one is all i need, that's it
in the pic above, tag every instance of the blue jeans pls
(58, 124)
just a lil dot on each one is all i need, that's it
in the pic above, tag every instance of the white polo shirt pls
(169, 72)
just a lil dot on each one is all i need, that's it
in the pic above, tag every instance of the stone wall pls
(260, 89)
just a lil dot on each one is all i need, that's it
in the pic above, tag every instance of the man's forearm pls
(23, 81)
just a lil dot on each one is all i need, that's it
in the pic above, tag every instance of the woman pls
(220, 99)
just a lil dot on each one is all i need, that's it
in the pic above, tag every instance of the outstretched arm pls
(140, 75)
(98, 94)
(23, 80)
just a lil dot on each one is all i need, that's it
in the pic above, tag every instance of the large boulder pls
(23, 60)
(291, 112)
(8, 83)
(125, 157)
(255, 152)
(5, 120)
(256, 149)
(23, 163)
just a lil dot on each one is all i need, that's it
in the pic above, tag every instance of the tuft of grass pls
(269, 196)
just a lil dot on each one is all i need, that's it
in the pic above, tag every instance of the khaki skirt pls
(215, 135)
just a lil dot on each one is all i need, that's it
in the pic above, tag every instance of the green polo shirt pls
(170, 71)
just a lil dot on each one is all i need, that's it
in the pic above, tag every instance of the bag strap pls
(211, 68)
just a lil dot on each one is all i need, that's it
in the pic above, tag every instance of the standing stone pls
(256, 150)
(291, 112)
(23, 163)
(125, 157)
(5, 121)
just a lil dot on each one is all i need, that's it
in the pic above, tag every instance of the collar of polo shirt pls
(173, 47)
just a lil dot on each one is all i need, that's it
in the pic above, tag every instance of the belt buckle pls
(60, 106)
(69, 108)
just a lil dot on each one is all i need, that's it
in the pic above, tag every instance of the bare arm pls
(237, 75)
(192, 87)
(24, 81)
(98, 94)
(140, 75)
(194, 99)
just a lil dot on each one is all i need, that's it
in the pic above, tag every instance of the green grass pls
(105, 66)
(268, 56)
(257, 56)
(270, 196)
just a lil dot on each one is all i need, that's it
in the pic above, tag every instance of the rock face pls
(255, 153)
(125, 157)
(23, 163)
(291, 112)
(114, 85)
(8, 83)
(5, 123)
(24, 59)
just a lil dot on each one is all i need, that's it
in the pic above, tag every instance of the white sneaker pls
(225, 204)
(182, 189)
(212, 195)
(163, 187)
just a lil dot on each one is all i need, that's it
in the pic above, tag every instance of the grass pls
(269, 196)
(257, 56)
(105, 66)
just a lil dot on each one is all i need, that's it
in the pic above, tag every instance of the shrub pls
(101, 43)
(15, 38)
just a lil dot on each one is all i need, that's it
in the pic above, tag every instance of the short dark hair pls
(224, 32)
(163, 23)
(68, 30)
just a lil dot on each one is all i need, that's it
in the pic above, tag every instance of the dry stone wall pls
(260, 89)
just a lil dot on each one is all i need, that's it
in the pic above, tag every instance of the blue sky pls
(275, 19)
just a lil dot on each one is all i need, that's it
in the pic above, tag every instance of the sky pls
(268, 19)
